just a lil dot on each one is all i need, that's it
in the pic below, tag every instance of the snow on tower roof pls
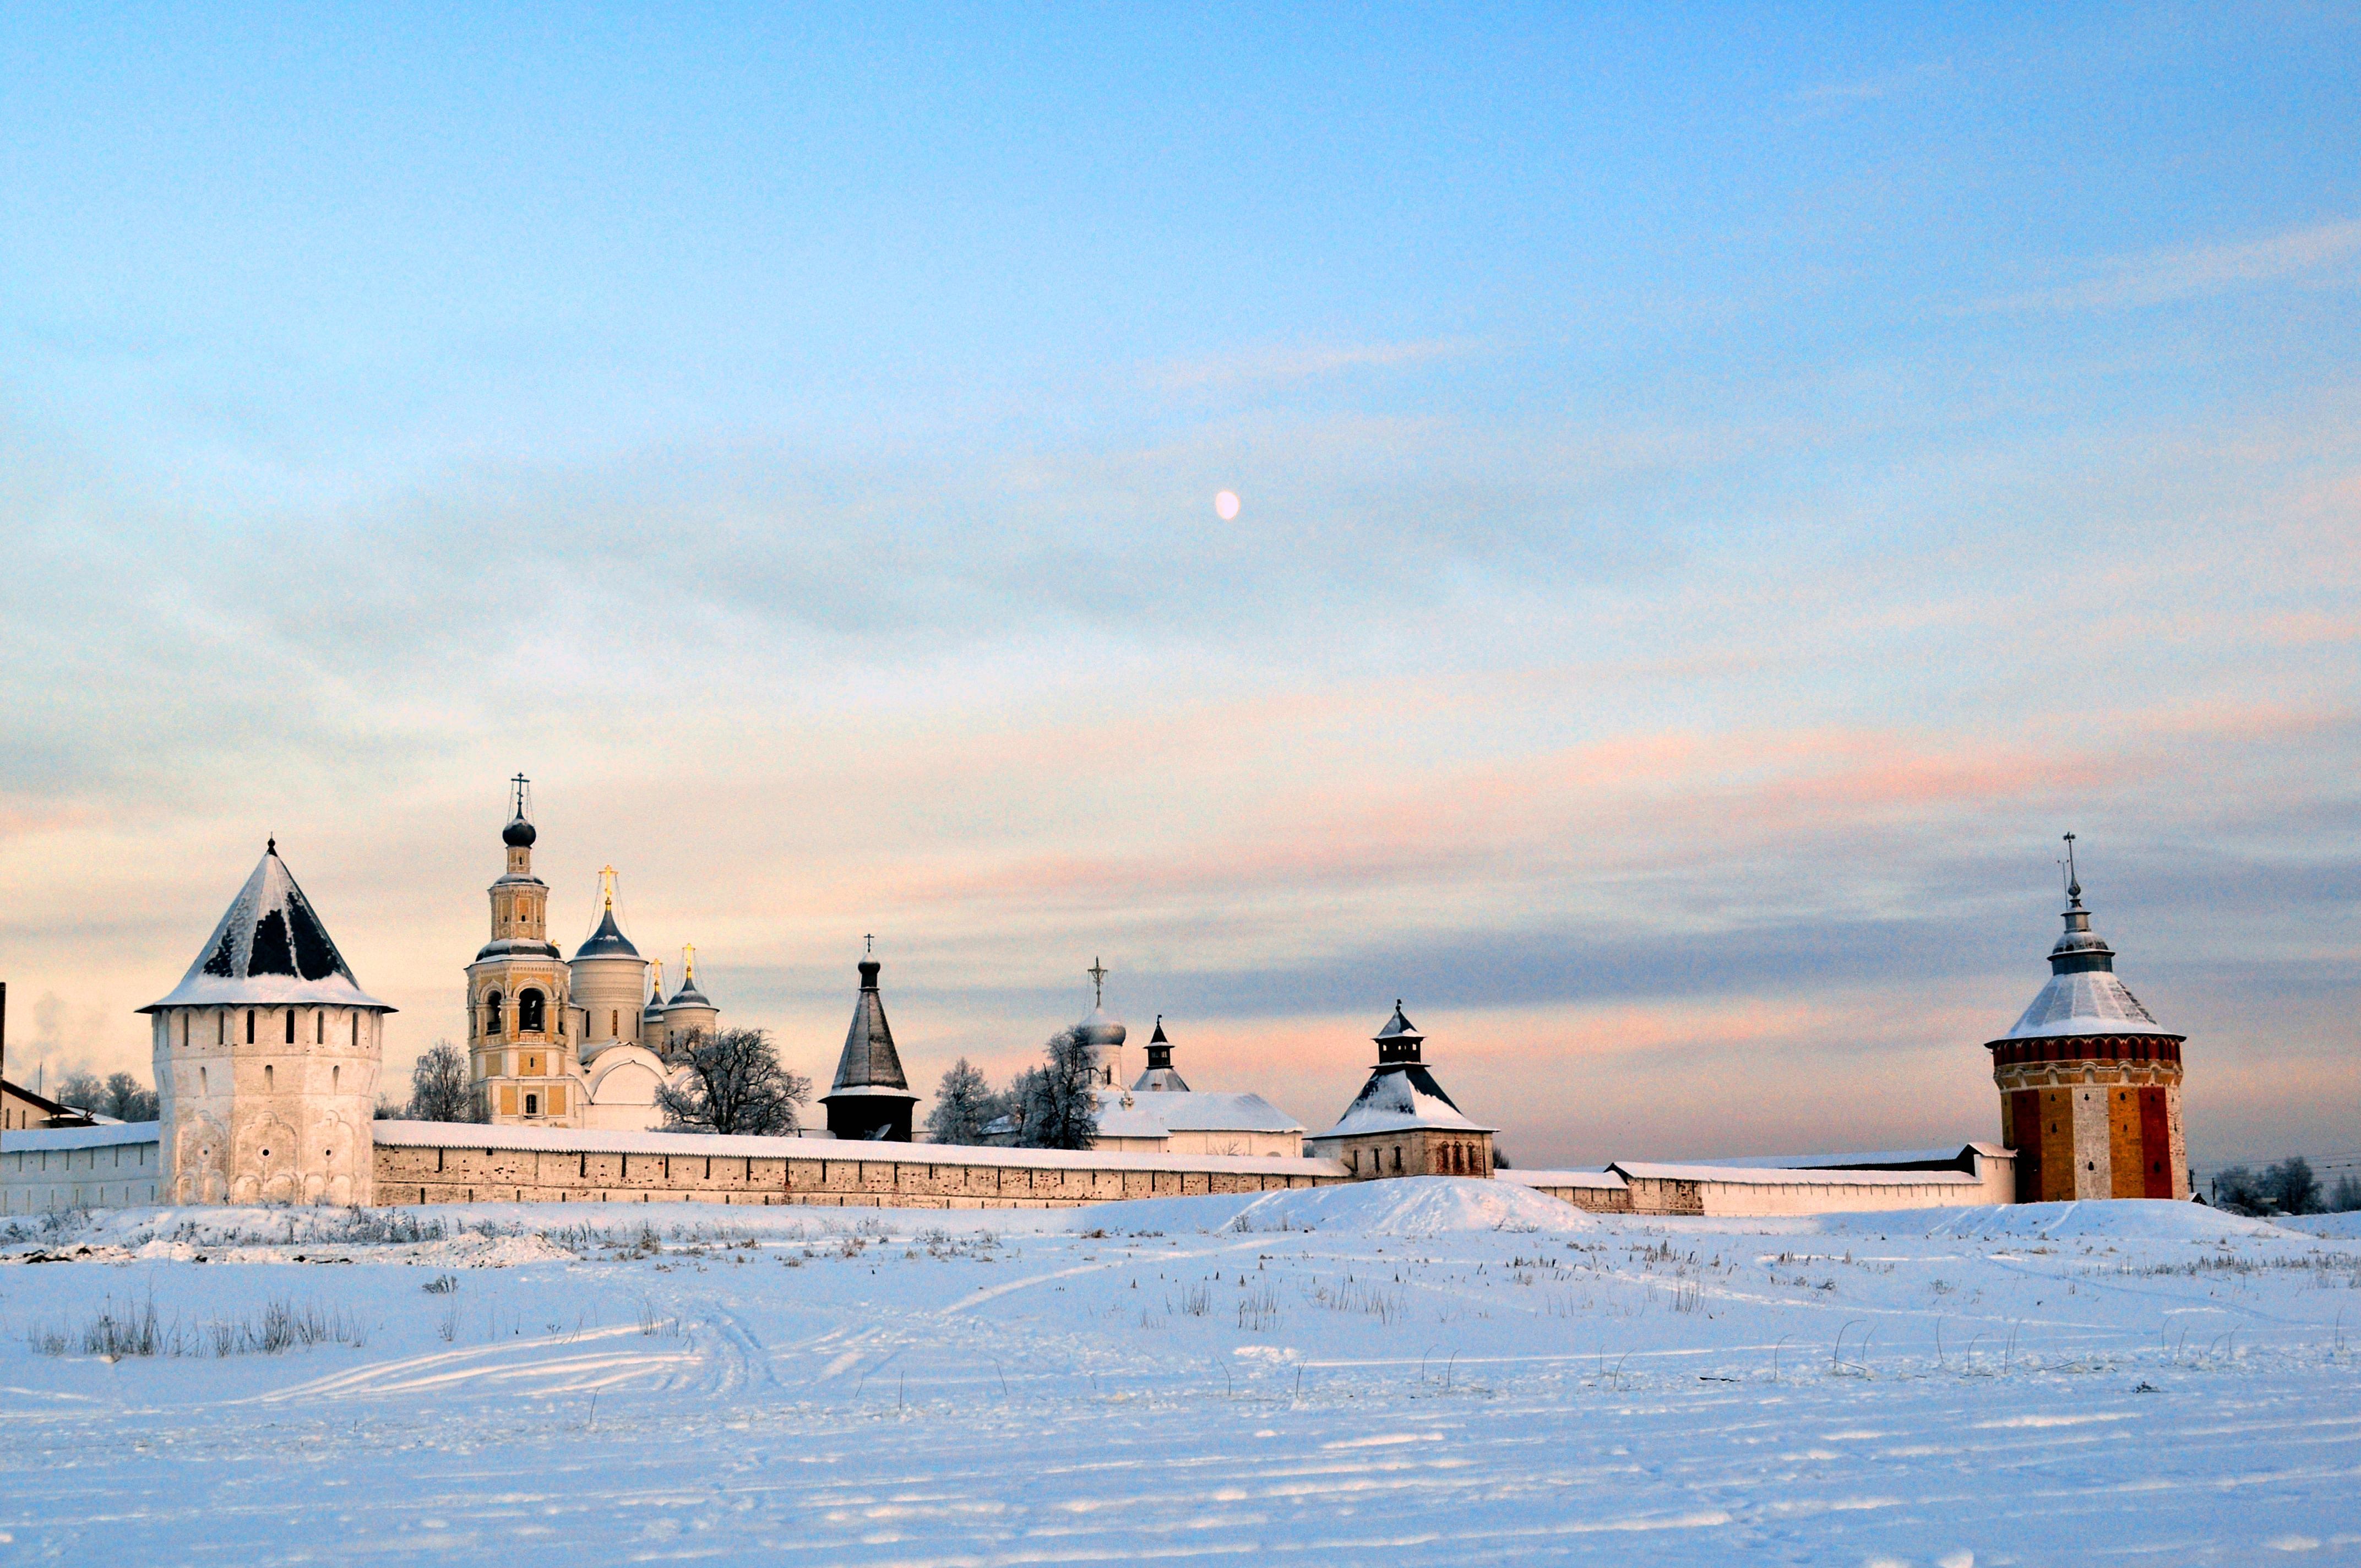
(1397, 1099)
(270, 949)
(2083, 996)
(870, 1064)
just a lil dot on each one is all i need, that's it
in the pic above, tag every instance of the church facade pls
(580, 1042)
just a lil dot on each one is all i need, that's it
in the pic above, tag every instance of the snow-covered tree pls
(128, 1100)
(2346, 1197)
(439, 1090)
(734, 1085)
(2291, 1186)
(1058, 1109)
(83, 1091)
(964, 1105)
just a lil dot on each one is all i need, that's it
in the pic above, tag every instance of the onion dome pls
(689, 996)
(269, 949)
(1096, 1029)
(519, 834)
(608, 941)
(652, 1015)
(2083, 996)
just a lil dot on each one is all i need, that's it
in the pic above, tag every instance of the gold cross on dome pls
(1098, 973)
(688, 962)
(607, 884)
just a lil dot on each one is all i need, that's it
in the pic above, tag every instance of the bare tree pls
(735, 1085)
(964, 1105)
(439, 1088)
(1059, 1110)
(2348, 1195)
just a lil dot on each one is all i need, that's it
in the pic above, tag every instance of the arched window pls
(529, 1011)
(492, 1013)
(533, 1104)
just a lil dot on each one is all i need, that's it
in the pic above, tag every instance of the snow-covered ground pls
(1404, 1371)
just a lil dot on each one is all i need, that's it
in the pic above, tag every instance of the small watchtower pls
(265, 1058)
(1402, 1123)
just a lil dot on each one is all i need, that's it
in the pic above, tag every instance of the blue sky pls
(1721, 491)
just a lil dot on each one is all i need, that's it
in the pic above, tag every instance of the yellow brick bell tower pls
(519, 1049)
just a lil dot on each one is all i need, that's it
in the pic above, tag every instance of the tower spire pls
(2074, 881)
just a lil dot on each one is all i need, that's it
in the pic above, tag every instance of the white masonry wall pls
(266, 1119)
(52, 1169)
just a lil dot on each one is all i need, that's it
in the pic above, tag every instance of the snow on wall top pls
(584, 1140)
(269, 949)
(1161, 1113)
(109, 1135)
(1763, 1176)
(1399, 1098)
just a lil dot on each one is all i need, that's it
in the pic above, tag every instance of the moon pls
(1225, 506)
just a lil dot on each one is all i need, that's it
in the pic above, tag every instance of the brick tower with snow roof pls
(2090, 1082)
(1402, 1123)
(265, 1058)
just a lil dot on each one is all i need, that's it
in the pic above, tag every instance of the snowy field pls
(1402, 1372)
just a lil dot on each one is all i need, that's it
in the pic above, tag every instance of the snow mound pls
(475, 1250)
(2335, 1227)
(2117, 1219)
(1416, 1205)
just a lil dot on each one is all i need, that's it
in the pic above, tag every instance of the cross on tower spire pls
(517, 794)
(1098, 973)
(869, 944)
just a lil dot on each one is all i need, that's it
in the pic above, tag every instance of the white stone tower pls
(519, 1050)
(267, 1056)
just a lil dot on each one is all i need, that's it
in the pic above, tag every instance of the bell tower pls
(521, 1052)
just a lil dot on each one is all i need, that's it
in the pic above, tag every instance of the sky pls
(1722, 492)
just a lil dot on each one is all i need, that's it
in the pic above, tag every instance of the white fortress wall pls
(50, 1169)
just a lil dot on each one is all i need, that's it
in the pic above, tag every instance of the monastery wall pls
(50, 1169)
(426, 1162)
(1741, 1191)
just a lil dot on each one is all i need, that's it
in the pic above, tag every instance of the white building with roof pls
(265, 1058)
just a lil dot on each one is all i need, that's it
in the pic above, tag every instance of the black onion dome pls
(517, 834)
(608, 941)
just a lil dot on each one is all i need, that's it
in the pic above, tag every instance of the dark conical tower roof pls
(870, 1063)
(270, 949)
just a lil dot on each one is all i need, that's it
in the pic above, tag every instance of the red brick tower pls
(2090, 1082)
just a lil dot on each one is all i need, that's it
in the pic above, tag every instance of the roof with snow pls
(271, 950)
(2083, 996)
(1398, 1097)
(870, 1064)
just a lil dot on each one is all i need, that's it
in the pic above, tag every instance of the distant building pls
(21, 1108)
(2090, 1082)
(1402, 1123)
